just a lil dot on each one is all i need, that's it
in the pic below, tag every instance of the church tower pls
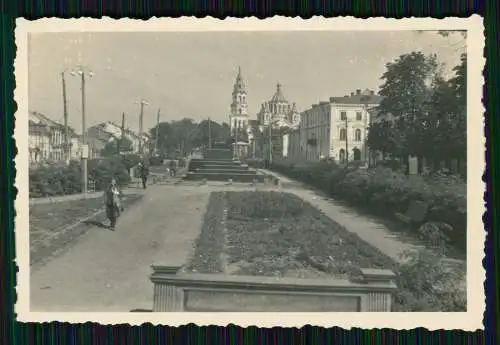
(238, 119)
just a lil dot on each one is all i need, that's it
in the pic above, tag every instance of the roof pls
(40, 119)
(365, 97)
(278, 95)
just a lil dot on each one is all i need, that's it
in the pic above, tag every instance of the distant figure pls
(144, 173)
(172, 168)
(112, 202)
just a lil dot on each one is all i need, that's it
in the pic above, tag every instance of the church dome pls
(278, 95)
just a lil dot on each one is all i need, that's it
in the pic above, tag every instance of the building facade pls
(278, 111)
(337, 129)
(39, 142)
(109, 131)
(46, 139)
(238, 117)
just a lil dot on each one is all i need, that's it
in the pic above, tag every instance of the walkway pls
(108, 271)
(368, 229)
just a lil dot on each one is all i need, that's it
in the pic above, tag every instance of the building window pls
(343, 134)
(357, 135)
(239, 110)
(343, 115)
(359, 116)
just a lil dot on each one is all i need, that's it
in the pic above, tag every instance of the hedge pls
(54, 180)
(386, 192)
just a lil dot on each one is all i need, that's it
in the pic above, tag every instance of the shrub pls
(386, 192)
(426, 284)
(53, 180)
(102, 170)
(130, 160)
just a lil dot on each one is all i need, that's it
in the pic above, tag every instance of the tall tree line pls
(185, 134)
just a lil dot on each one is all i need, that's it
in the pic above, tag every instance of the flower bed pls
(387, 192)
(279, 234)
(49, 223)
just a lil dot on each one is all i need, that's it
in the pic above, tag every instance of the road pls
(106, 271)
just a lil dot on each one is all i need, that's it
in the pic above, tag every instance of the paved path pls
(109, 271)
(368, 229)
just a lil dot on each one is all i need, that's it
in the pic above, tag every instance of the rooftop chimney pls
(358, 91)
(372, 92)
(352, 94)
(332, 99)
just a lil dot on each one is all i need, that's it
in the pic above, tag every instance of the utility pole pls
(141, 117)
(270, 143)
(65, 110)
(346, 142)
(209, 133)
(120, 142)
(157, 128)
(83, 72)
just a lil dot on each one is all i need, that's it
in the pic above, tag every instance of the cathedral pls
(278, 111)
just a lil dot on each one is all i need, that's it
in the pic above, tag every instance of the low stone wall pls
(175, 291)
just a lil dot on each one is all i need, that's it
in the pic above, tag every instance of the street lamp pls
(83, 72)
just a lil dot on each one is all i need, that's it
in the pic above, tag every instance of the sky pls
(192, 74)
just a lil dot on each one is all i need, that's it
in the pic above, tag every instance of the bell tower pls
(238, 119)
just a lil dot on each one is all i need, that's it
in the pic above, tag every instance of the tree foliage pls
(110, 149)
(422, 113)
(184, 135)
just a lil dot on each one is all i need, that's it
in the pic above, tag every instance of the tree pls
(448, 109)
(405, 92)
(218, 132)
(110, 149)
(183, 135)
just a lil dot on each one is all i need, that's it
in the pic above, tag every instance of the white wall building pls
(337, 129)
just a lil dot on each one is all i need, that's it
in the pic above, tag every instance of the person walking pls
(112, 202)
(172, 168)
(144, 172)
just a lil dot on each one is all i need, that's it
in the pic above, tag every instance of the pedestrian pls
(144, 172)
(112, 202)
(172, 168)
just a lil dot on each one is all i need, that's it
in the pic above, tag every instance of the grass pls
(283, 233)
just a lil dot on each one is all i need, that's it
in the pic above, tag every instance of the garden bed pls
(54, 225)
(279, 234)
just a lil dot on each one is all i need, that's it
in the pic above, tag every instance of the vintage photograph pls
(270, 170)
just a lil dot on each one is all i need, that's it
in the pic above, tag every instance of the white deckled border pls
(469, 321)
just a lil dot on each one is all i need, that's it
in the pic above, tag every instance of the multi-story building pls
(337, 129)
(39, 142)
(46, 142)
(278, 111)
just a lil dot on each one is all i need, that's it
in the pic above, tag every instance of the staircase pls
(218, 164)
